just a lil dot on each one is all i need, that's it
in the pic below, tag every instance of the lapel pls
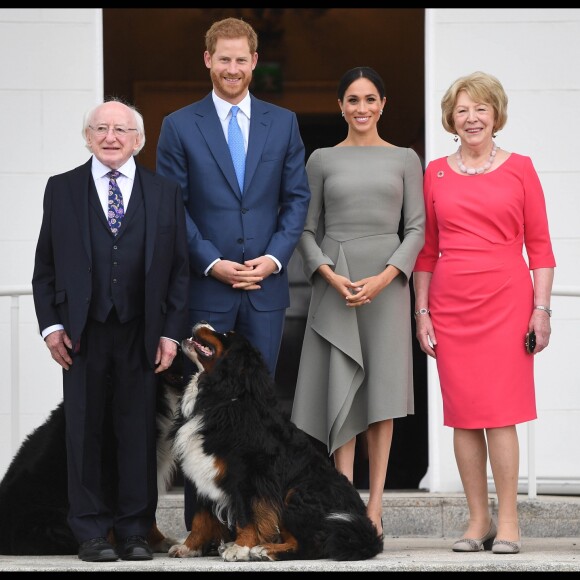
(150, 188)
(146, 189)
(211, 129)
(81, 186)
(133, 208)
(96, 206)
(259, 129)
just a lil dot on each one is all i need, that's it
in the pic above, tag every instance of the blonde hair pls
(481, 88)
(230, 28)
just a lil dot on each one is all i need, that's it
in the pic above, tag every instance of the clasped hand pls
(360, 292)
(246, 276)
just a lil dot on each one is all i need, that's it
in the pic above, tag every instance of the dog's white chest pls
(198, 466)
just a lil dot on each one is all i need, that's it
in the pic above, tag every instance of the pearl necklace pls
(479, 170)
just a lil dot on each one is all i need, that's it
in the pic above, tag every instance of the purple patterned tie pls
(115, 211)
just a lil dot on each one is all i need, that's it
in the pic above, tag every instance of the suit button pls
(240, 240)
(244, 210)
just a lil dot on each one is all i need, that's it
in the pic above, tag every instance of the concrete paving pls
(399, 555)
(420, 528)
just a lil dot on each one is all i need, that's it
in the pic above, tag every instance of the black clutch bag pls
(530, 342)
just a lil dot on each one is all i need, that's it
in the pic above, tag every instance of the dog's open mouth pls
(204, 346)
(201, 349)
(201, 341)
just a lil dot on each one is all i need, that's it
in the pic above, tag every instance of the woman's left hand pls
(540, 324)
(364, 291)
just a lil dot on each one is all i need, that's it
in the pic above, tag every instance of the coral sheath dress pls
(481, 293)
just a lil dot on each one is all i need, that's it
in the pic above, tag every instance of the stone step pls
(429, 515)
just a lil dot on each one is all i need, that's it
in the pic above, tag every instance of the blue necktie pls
(236, 145)
(115, 211)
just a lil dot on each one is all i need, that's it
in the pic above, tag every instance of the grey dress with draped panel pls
(356, 364)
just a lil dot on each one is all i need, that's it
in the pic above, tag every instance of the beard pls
(227, 91)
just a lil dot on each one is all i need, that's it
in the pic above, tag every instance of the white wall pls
(534, 53)
(51, 72)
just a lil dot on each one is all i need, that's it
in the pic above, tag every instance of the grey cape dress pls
(356, 363)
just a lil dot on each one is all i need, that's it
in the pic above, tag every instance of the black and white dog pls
(33, 492)
(264, 491)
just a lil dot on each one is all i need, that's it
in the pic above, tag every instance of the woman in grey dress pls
(356, 370)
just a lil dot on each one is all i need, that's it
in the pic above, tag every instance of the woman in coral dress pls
(476, 300)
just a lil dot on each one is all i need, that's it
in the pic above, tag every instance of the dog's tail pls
(351, 536)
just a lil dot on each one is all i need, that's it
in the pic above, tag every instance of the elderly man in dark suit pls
(110, 288)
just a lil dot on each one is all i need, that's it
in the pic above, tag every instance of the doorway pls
(305, 51)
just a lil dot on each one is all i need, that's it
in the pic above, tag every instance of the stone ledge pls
(431, 515)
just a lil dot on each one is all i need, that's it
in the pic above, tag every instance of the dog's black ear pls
(253, 375)
(231, 337)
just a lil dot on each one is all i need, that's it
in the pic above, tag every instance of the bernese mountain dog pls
(264, 491)
(33, 491)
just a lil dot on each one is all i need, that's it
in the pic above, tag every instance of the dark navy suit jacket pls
(223, 222)
(62, 279)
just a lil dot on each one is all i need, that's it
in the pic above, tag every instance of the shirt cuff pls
(276, 262)
(51, 329)
(208, 269)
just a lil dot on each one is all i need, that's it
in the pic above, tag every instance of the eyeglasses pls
(102, 130)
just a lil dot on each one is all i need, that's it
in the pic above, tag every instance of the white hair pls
(139, 123)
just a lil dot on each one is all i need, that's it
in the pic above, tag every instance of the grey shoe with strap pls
(507, 547)
(475, 545)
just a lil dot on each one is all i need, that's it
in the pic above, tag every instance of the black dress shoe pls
(97, 550)
(134, 548)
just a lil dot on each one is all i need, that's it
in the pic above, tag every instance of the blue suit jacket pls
(222, 222)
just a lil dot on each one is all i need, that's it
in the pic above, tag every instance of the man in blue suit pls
(240, 238)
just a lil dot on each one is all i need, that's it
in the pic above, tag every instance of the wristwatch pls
(544, 308)
(422, 311)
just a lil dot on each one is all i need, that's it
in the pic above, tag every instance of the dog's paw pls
(235, 553)
(182, 551)
(223, 547)
(260, 553)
